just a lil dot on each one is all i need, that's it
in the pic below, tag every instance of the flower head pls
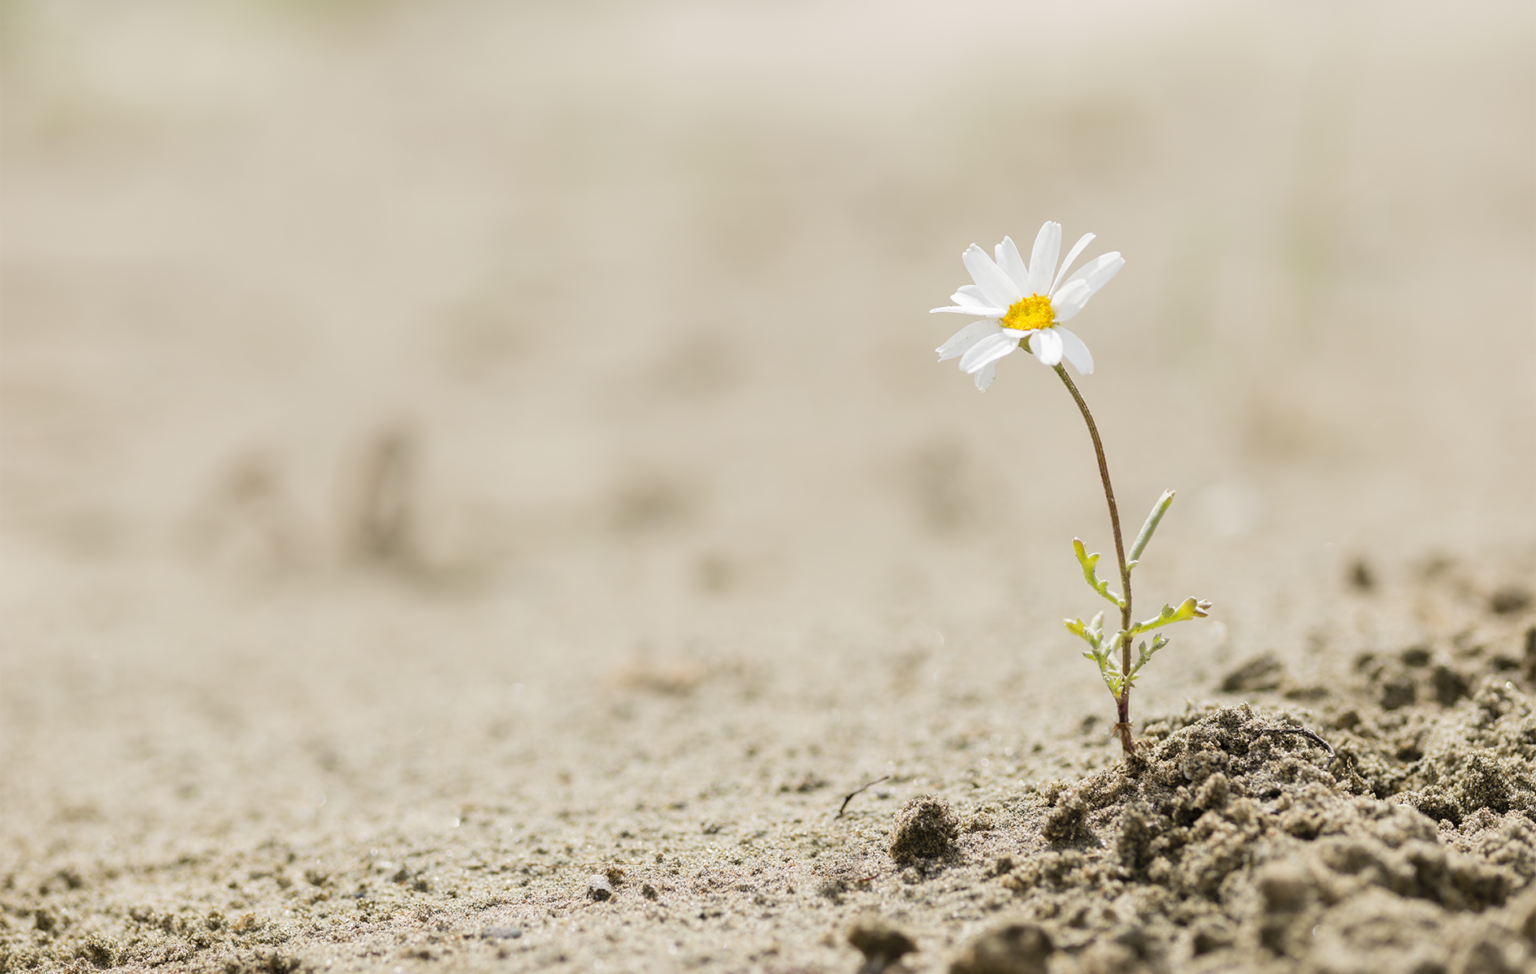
(1021, 305)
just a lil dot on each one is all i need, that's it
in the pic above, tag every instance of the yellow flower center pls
(1028, 314)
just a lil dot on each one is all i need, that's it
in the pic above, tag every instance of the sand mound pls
(1231, 844)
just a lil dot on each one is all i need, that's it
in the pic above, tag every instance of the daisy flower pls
(1021, 305)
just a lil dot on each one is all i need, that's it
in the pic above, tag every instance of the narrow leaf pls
(1089, 563)
(1158, 510)
(1190, 608)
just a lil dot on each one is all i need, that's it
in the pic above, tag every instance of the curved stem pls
(1123, 702)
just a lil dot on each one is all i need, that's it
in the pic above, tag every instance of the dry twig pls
(852, 794)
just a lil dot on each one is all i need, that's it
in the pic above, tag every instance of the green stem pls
(1123, 702)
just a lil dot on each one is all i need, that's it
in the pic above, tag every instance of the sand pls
(477, 493)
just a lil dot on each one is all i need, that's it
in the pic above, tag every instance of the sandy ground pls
(452, 452)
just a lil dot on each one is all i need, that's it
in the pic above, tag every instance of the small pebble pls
(598, 887)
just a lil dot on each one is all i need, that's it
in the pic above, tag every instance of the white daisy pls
(1021, 305)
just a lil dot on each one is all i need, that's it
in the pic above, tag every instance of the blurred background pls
(375, 367)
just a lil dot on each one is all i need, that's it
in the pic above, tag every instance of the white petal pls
(997, 286)
(1098, 271)
(1070, 300)
(969, 299)
(1042, 263)
(970, 294)
(1012, 264)
(957, 309)
(1076, 352)
(985, 376)
(1072, 254)
(989, 349)
(961, 341)
(1046, 345)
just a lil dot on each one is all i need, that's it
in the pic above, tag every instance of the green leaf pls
(1089, 563)
(1190, 608)
(1145, 654)
(1158, 510)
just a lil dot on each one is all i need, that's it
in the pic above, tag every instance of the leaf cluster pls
(1103, 646)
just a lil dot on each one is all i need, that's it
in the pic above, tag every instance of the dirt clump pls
(1226, 843)
(1067, 823)
(1509, 599)
(881, 944)
(1262, 672)
(1018, 948)
(926, 828)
